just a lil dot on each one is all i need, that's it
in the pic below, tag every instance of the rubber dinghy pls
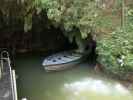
(61, 61)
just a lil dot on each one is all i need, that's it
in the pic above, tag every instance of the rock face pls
(42, 36)
(51, 39)
(129, 77)
(98, 68)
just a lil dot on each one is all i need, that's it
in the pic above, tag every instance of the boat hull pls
(59, 67)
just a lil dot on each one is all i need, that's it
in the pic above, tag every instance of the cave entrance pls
(47, 37)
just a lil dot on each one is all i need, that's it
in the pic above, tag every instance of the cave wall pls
(42, 37)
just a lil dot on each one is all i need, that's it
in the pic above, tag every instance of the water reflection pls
(98, 86)
(89, 87)
(78, 83)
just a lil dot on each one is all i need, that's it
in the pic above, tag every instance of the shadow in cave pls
(90, 50)
(48, 38)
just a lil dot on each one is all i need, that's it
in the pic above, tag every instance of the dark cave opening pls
(44, 37)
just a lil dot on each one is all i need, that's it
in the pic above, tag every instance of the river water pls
(78, 83)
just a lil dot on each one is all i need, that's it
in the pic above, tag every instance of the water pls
(78, 83)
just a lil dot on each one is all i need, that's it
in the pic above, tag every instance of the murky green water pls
(78, 83)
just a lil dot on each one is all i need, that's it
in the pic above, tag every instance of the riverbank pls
(126, 81)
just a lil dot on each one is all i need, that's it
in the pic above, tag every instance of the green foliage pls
(28, 23)
(75, 17)
(66, 14)
(116, 50)
(74, 13)
(130, 19)
(14, 11)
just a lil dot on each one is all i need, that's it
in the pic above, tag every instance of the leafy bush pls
(116, 50)
(75, 17)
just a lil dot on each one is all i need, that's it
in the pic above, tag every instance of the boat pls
(61, 61)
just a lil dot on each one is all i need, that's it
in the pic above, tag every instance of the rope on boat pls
(5, 57)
